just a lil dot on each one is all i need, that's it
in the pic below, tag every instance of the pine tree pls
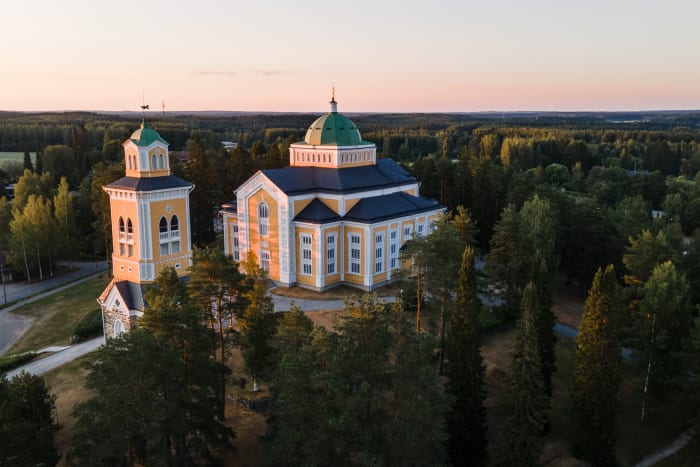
(364, 395)
(666, 315)
(28, 161)
(525, 399)
(545, 321)
(156, 392)
(597, 373)
(257, 323)
(507, 263)
(27, 421)
(39, 163)
(466, 421)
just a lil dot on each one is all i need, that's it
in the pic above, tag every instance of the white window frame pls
(331, 253)
(354, 253)
(421, 229)
(407, 232)
(393, 249)
(265, 260)
(378, 252)
(235, 245)
(263, 219)
(306, 249)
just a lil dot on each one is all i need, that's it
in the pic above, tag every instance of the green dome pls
(145, 136)
(333, 129)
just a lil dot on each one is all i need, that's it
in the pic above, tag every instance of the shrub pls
(8, 362)
(89, 326)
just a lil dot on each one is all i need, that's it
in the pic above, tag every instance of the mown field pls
(15, 156)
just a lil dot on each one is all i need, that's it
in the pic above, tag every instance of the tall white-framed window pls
(169, 236)
(378, 252)
(393, 249)
(421, 229)
(306, 254)
(433, 226)
(265, 260)
(263, 219)
(331, 253)
(407, 232)
(355, 252)
(122, 236)
(236, 250)
(174, 227)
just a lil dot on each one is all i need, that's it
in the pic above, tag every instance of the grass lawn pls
(67, 383)
(57, 315)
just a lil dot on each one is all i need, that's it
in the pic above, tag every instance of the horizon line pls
(652, 110)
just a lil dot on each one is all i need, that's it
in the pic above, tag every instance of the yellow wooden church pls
(336, 215)
(150, 215)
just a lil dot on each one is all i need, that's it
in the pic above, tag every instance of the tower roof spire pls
(333, 103)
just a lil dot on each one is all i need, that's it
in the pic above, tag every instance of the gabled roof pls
(318, 213)
(132, 294)
(299, 180)
(149, 183)
(231, 208)
(379, 208)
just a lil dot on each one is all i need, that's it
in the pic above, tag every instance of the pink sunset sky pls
(387, 56)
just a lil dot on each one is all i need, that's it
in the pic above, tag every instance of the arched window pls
(118, 328)
(263, 219)
(133, 163)
(161, 165)
(174, 227)
(163, 228)
(153, 161)
(122, 235)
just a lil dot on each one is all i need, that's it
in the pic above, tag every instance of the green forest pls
(606, 204)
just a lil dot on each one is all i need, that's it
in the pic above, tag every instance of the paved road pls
(668, 451)
(57, 359)
(22, 290)
(12, 326)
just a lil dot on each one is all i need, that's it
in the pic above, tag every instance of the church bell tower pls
(150, 213)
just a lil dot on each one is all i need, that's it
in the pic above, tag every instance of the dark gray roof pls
(149, 183)
(317, 213)
(231, 207)
(132, 294)
(379, 208)
(298, 180)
